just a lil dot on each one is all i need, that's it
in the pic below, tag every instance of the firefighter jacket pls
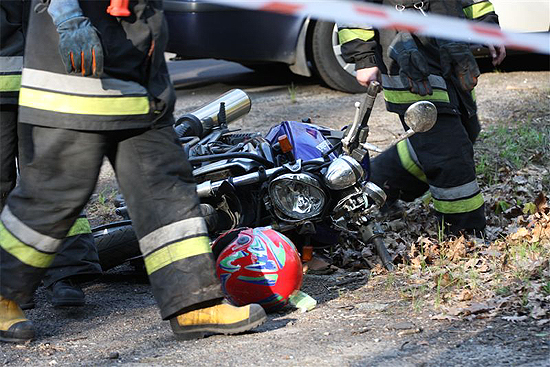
(13, 19)
(135, 90)
(368, 48)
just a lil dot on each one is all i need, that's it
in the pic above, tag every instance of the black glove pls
(80, 47)
(413, 67)
(456, 58)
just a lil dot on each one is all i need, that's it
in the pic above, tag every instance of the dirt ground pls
(361, 319)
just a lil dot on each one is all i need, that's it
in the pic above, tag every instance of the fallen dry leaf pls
(470, 264)
(541, 202)
(465, 295)
(457, 249)
(522, 233)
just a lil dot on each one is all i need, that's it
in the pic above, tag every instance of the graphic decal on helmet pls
(227, 263)
(272, 301)
(277, 250)
(266, 279)
(259, 251)
(258, 265)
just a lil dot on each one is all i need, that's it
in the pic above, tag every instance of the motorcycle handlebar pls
(209, 188)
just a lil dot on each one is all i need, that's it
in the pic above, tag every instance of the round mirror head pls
(421, 116)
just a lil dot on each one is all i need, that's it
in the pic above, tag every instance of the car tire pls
(328, 61)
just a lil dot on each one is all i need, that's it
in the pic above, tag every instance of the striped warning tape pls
(379, 16)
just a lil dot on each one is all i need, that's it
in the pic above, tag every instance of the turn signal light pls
(284, 143)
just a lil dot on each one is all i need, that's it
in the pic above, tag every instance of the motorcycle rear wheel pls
(116, 243)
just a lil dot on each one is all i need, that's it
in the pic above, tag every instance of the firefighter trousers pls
(8, 150)
(78, 258)
(440, 160)
(155, 179)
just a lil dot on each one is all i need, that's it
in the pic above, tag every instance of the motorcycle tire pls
(116, 243)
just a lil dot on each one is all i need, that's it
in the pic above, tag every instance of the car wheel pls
(328, 61)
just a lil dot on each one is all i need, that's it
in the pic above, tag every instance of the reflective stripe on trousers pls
(10, 73)
(453, 200)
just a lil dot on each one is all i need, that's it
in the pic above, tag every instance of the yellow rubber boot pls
(218, 319)
(14, 326)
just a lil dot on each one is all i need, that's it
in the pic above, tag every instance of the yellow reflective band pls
(474, 94)
(82, 105)
(478, 10)
(408, 163)
(346, 35)
(177, 251)
(404, 96)
(10, 83)
(25, 254)
(80, 226)
(459, 206)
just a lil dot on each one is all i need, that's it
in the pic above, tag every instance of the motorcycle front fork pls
(372, 232)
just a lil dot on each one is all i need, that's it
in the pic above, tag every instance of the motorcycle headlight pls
(297, 195)
(342, 173)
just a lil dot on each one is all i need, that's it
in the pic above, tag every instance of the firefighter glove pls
(413, 67)
(79, 43)
(456, 58)
(80, 47)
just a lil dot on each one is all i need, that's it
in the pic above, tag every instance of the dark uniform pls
(77, 258)
(13, 16)
(442, 159)
(126, 116)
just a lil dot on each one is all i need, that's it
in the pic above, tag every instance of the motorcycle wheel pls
(116, 243)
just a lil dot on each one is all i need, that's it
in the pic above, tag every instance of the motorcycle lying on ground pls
(308, 182)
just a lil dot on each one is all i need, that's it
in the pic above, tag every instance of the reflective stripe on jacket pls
(479, 10)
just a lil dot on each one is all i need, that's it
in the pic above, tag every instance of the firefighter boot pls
(14, 326)
(219, 319)
(66, 293)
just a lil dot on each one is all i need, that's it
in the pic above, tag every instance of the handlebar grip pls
(366, 107)
(189, 125)
(374, 88)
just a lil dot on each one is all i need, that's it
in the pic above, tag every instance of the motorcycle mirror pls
(421, 116)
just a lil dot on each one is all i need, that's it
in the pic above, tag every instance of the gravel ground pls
(359, 320)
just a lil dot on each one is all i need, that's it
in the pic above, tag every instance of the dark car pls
(308, 46)
(258, 39)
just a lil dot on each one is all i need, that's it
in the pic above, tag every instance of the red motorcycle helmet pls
(257, 265)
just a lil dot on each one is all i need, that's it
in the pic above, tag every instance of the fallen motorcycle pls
(306, 181)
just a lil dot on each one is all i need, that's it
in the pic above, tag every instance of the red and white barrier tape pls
(378, 16)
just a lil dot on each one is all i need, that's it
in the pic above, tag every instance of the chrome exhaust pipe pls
(236, 104)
